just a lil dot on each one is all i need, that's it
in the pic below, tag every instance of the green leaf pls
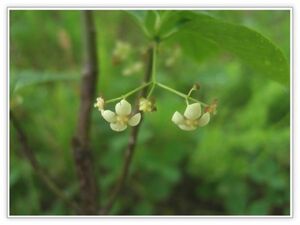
(158, 24)
(139, 16)
(21, 79)
(201, 35)
(199, 49)
(248, 45)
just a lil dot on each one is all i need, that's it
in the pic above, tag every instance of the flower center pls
(191, 123)
(122, 119)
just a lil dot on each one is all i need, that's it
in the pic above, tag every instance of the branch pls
(80, 142)
(131, 143)
(29, 155)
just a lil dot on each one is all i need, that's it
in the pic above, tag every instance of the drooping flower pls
(99, 104)
(146, 105)
(120, 119)
(192, 118)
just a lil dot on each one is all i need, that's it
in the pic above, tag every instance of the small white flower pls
(99, 104)
(191, 119)
(120, 119)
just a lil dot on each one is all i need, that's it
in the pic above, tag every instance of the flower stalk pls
(129, 93)
(180, 93)
(153, 74)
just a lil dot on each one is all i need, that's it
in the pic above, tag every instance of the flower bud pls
(196, 86)
(146, 105)
(99, 104)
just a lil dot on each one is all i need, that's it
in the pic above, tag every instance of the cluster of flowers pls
(119, 120)
(193, 116)
(121, 53)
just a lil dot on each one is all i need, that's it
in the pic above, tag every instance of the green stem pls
(169, 34)
(153, 75)
(188, 95)
(179, 93)
(190, 92)
(154, 83)
(157, 22)
(129, 93)
(155, 46)
(187, 101)
(152, 89)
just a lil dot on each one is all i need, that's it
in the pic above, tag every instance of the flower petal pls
(134, 120)
(177, 118)
(193, 111)
(109, 116)
(123, 108)
(186, 128)
(118, 126)
(204, 119)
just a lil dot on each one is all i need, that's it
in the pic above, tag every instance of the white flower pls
(99, 104)
(191, 119)
(120, 119)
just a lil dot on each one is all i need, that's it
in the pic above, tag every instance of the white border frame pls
(146, 8)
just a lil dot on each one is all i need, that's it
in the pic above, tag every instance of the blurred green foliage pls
(237, 165)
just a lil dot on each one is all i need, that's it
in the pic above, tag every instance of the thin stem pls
(190, 92)
(153, 68)
(157, 22)
(153, 77)
(41, 173)
(80, 142)
(187, 101)
(129, 93)
(154, 56)
(179, 93)
(169, 34)
(120, 184)
(188, 95)
(151, 90)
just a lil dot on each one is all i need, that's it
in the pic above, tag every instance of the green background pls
(239, 164)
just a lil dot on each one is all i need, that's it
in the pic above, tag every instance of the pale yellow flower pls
(192, 118)
(120, 119)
